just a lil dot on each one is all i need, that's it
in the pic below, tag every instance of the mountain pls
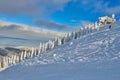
(94, 56)
(14, 34)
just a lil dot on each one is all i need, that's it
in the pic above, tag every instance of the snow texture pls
(93, 56)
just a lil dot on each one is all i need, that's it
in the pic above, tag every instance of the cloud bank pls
(53, 25)
(31, 7)
(14, 34)
(41, 7)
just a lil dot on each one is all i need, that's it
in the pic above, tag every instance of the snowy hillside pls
(94, 56)
(14, 34)
(98, 46)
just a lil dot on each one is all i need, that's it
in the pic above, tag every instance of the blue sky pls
(57, 14)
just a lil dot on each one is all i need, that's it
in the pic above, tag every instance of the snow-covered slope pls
(95, 56)
(98, 46)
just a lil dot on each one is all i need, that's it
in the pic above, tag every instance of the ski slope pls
(95, 56)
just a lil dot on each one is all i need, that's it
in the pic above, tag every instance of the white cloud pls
(101, 6)
(53, 25)
(14, 34)
(31, 7)
(104, 7)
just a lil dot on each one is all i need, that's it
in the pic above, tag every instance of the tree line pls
(6, 61)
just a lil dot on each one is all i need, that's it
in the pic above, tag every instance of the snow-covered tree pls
(40, 47)
(0, 64)
(32, 52)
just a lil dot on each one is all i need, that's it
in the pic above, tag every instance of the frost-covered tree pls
(32, 52)
(21, 56)
(40, 47)
(4, 62)
(56, 42)
(66, 38)
(90, 28)
(25, 54)
(0, 64)
(35, 52)
(52, 45)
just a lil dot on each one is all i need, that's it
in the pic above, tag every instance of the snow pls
(95, 56)
(71, 43)
(89, 71)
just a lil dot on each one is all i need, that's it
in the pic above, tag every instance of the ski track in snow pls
(98, 46)
(92, 57)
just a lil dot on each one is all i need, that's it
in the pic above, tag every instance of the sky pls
(60, 15)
